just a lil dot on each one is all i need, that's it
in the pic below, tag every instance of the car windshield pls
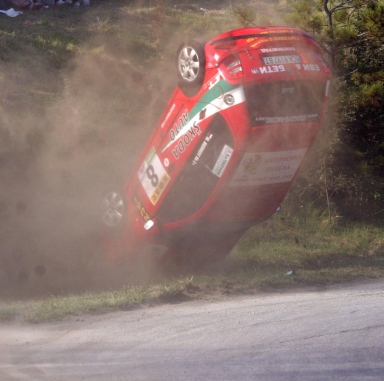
(285, 102)
(200, 173)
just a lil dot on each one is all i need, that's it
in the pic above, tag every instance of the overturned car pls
(227, 148)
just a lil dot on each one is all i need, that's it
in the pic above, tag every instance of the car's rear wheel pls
(190, 63)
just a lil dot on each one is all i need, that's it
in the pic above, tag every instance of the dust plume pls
(57, 160)
(69, 134)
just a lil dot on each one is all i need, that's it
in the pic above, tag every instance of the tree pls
(352, 32)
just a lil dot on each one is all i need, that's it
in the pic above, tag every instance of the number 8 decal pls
(153, 177)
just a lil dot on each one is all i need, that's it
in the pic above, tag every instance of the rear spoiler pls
(245, 36)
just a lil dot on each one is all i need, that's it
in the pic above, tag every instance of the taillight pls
(235, 67)
(231, 68)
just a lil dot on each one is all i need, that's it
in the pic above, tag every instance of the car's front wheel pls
(113, 213)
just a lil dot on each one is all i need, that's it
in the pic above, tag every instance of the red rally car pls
(227, 148)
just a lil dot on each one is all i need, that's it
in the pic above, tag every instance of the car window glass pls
(200, 173)
(285, 102)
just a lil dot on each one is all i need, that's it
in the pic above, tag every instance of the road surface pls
(336, 333)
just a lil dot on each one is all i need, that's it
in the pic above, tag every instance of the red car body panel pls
(223, 159)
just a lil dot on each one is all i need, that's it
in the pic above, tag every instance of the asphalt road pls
(336, 333)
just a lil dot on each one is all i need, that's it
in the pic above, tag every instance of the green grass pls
(8, 312)
(309, 241)
(57, 308)
(285, 252)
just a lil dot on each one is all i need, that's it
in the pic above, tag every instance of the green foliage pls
(306, 240)
(303, 15)
(350, 172)
(245, 16)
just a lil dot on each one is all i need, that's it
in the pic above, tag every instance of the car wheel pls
(113, 213)
(190, 63)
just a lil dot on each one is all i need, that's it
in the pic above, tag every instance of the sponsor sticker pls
(188, 127)
(267, 167)
(150, 155)
(222, 161)
(272, 50)
(286, 119)
(274, 38)
(160, 188)
(285, 31)
(140, 208)
(201, 149)
(153, 177)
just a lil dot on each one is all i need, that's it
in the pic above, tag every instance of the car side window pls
(285, 102)
(200, 174)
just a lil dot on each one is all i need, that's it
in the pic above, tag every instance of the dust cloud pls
(66, 136)
(57, 159)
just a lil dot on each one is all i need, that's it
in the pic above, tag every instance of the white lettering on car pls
(183, 120)
(268, 69)
(285, 119)
(222, 161)
(311, 67)
(185, 140)
(210, 109)
(278, 169)
(201, 149)
(271, 50)
(214, 80)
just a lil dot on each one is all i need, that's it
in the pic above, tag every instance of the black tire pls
(190, 64)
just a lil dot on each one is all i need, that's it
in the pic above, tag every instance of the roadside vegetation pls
(79, 76)
(289, 251)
